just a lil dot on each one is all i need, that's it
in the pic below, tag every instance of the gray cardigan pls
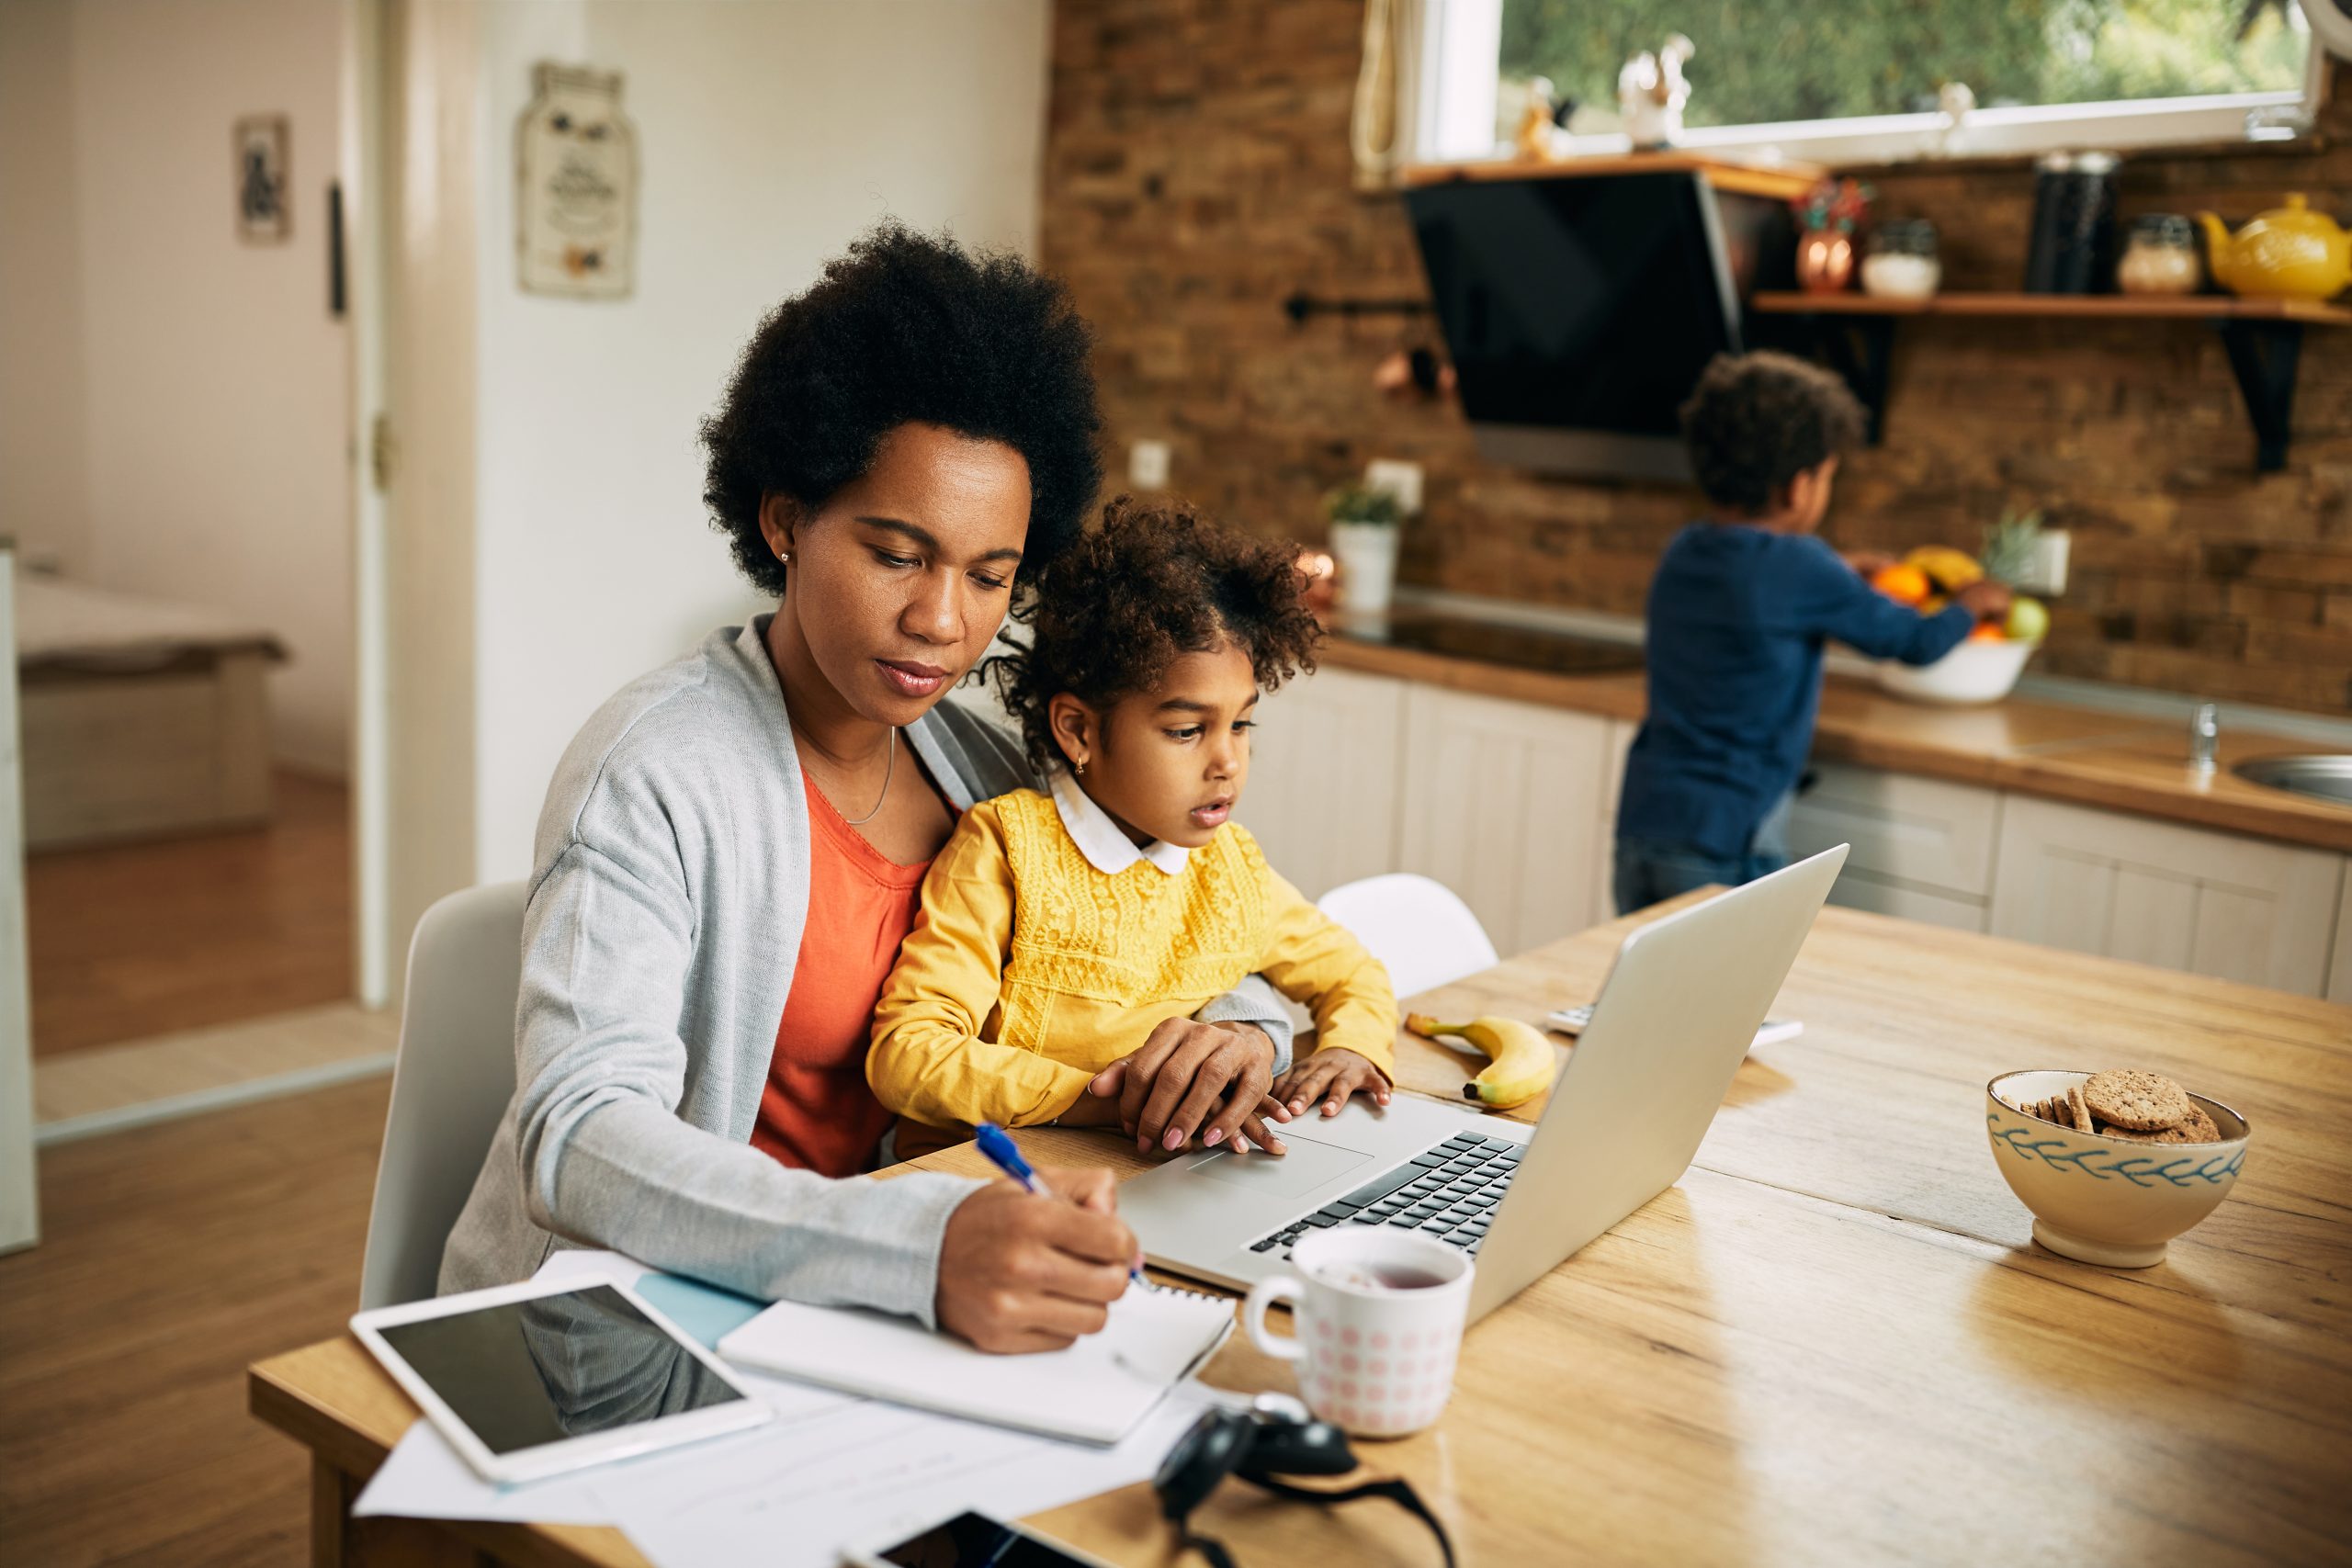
(668, 894)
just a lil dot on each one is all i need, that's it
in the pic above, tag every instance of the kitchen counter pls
(2116, 761)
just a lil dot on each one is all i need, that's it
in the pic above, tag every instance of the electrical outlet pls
(1400, 479)
(1147, 463)
(2047, 573)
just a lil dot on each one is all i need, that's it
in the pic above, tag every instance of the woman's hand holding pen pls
(1022, 1272)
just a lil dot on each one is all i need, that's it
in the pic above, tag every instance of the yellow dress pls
(1029, 971)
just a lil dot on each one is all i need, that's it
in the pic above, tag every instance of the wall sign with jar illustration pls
(575, 207)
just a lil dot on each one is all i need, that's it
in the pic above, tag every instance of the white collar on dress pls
(1106, 848)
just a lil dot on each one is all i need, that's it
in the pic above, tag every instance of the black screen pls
(1584, 303)
(969, 1540)
(554, 1367)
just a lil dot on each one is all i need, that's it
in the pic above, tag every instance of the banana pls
(1950, 570)
(1520, 1060)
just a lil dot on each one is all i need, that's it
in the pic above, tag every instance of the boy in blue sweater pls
(1738, 612)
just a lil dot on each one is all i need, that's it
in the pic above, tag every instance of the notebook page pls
(1094, 1390)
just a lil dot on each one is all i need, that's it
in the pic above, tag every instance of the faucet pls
(2204, 736)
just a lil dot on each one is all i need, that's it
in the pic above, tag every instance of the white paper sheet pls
(881, 1472)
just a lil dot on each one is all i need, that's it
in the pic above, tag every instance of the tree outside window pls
(1763, 61)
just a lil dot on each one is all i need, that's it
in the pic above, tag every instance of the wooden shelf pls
(2084, 307)
(2263, 338)
(1779, 182)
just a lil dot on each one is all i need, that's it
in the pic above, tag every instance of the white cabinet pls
(2187, 898)
(1923, 849)
(2339, 973)
(1504, 804)
(1612, 787)
(1324, 761)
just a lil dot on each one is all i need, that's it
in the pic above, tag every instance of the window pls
(1860, 79)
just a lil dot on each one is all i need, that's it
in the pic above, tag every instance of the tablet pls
(533, 1380)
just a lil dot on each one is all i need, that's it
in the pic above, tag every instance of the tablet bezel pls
(566, 1454)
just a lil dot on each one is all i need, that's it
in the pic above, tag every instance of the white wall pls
(43, 504)
(768, 136)
(217, 388)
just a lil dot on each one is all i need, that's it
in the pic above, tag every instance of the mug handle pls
(1264, 1294)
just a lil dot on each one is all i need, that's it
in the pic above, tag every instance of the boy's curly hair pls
(1154, 581)
(904, 328)
(1757, 421)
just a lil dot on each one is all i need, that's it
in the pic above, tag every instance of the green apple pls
(2029, 620)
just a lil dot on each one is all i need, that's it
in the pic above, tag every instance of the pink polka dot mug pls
(1379, 1318)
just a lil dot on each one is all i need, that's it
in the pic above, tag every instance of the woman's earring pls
(785, 556)
(1080, 767)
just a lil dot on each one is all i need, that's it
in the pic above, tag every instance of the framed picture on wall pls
(263, 217)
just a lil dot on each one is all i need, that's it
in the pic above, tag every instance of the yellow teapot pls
(2287, 253)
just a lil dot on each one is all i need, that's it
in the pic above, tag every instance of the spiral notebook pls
(1094, 1391)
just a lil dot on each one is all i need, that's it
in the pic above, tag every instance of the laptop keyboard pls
(1449, 1191)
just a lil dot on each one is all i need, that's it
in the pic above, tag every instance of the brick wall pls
(1197, 173)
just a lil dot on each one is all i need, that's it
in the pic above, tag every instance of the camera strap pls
(1397, 1491)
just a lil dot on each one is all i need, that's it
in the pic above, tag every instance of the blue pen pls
(1006, 1155)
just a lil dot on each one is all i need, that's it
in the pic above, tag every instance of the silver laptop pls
(1678, 1012)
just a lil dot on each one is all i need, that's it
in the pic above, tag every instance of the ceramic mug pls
(1379, 1317)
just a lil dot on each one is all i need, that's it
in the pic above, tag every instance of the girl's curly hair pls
(1128, 599)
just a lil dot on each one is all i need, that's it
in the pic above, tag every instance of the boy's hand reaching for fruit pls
(1330, 1076)
(1984, 599)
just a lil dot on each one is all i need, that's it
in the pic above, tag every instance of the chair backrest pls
(451, 1082)
(1421, 929)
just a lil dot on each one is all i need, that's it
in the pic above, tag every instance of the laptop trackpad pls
(1305, 1168)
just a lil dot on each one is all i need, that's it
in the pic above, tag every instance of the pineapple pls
(2009, 546)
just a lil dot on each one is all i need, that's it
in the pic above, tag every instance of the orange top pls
(816, 1110)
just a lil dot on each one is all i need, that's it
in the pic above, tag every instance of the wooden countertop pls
(1832, 1340)
(2116, 761)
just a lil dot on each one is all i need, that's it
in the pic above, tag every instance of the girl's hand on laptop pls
(1331, 1075)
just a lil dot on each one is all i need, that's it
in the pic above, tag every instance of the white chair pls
(451, 1082)
(1421, 929)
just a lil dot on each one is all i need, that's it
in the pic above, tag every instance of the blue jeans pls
(1649, 872)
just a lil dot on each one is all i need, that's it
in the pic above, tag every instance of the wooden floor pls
(133, 941)
(173, 1256)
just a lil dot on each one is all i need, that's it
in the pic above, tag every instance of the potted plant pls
(1364, 538)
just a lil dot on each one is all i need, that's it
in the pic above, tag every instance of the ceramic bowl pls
(1973, 672)
(2102, 1200)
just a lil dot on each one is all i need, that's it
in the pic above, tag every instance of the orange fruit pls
(1988, 631)
(1904, 584)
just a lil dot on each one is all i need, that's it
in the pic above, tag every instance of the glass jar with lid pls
(1901, 261)
(2161, 257)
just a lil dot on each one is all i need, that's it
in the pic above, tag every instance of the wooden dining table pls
(1832, 1341)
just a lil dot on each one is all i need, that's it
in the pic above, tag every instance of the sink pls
(2323, 778)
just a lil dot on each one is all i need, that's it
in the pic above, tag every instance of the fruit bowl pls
(2109, 1200)
(1982, 670)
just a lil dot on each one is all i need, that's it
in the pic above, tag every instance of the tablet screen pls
(540, 1371)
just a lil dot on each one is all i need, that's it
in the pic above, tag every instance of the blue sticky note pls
(705, 1313)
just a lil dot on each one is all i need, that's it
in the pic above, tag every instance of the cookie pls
(2059, 1109)
(2078, 1109)
(2197, 1127)
(2145, 1102)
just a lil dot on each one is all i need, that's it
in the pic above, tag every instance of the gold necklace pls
(890, 767)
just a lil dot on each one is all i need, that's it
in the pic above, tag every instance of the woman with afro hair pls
(734, 845)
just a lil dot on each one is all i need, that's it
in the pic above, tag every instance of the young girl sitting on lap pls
(1058, 930)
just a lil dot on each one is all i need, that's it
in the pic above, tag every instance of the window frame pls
(1451, 100)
